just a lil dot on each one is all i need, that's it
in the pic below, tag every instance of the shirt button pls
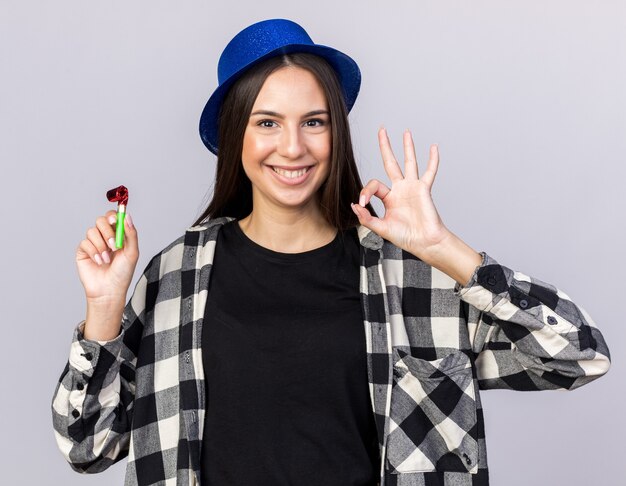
(523, 303)
(75, 413)
(491, 281)
(88, 356)
(552, 320)
(80, 386)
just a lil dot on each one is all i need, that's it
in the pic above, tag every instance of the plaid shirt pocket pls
(433, 415)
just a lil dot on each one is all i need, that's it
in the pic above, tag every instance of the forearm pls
(103, 320)
(92, 404)
(528, 334)
(453, 257)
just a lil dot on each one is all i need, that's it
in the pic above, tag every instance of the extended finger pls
(410, 160)
(433, 165)
(372, 188)
(391, 165)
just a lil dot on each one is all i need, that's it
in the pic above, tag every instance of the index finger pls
(391, 165)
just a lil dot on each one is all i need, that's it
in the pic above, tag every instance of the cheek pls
(323, 148)
(255, 146)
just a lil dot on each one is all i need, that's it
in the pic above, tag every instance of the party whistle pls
(119, 195)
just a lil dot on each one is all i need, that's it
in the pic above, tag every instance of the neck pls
(288, 230)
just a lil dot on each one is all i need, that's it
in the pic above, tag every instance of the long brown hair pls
(232, 194)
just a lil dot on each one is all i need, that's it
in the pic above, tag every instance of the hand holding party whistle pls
(119, 195)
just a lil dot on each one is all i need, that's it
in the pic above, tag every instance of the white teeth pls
(290, 173)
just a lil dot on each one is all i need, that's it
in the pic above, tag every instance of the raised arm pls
(93, 400)
(527, 334)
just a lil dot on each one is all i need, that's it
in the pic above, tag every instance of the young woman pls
(292, 336)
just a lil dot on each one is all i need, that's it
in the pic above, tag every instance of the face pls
(287, 142)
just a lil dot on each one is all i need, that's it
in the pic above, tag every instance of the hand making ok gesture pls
(411, 221)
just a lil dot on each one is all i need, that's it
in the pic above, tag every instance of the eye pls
(315, 122)
(266, 124)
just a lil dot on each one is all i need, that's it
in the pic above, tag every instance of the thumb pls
(370, 222)
(131, 240)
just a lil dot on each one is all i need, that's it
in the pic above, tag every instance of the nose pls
(291, 144)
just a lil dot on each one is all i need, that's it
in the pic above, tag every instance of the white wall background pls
(525, 98)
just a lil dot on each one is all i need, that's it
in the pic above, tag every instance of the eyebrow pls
(278, 115)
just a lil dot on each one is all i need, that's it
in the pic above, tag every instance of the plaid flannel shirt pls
(431, 345)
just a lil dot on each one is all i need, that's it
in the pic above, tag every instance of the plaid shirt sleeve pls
(529, 335)
(93, 401)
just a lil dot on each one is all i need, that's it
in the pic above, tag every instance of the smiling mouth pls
(291, 174)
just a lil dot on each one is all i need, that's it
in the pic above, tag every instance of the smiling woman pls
(292, 336)
(286, 155)
(262, 91)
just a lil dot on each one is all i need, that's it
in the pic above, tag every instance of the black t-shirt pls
(283, 350)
